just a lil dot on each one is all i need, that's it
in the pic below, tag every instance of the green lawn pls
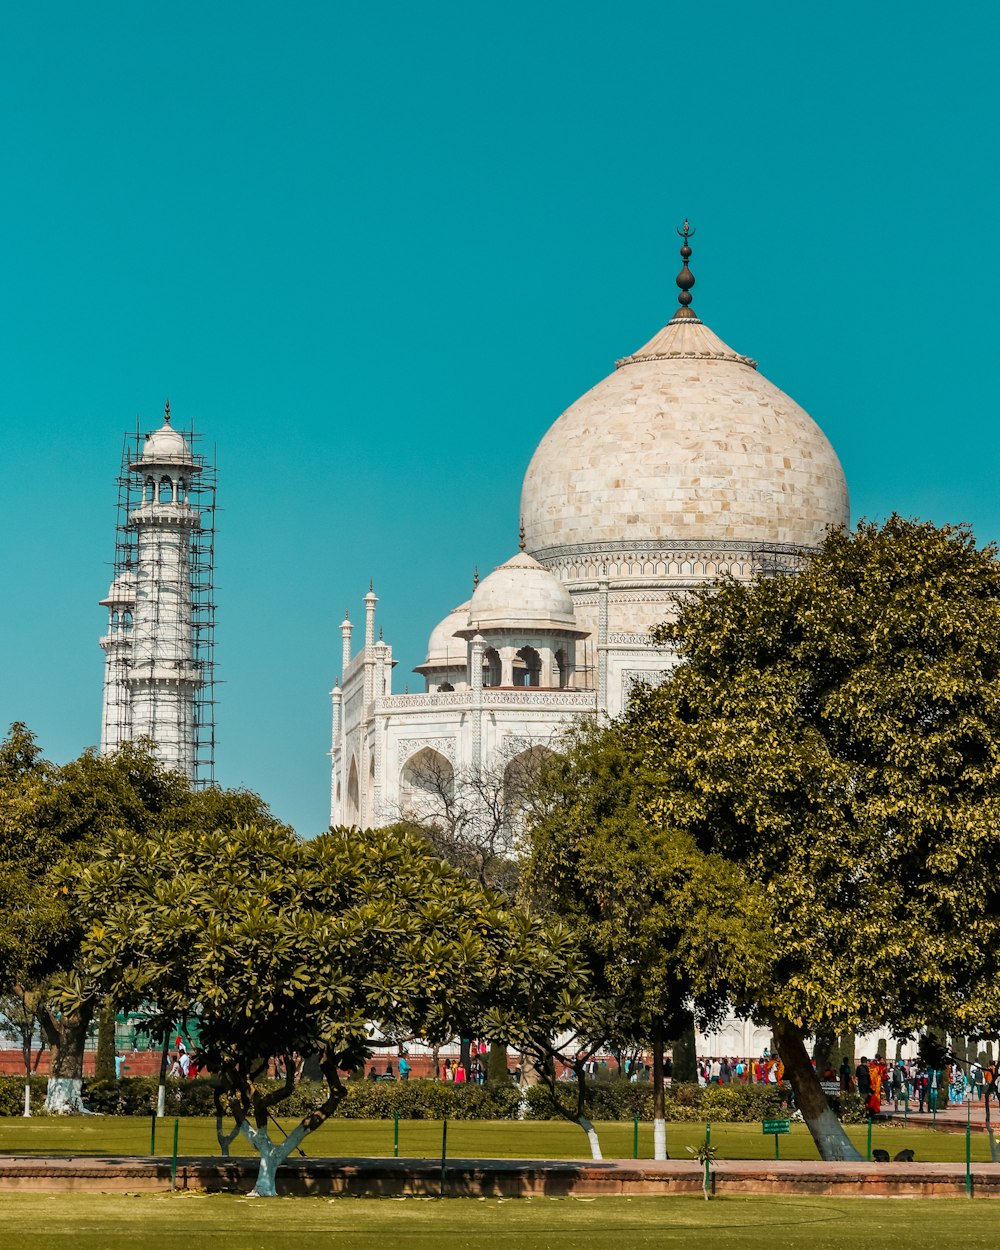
(100, 1135)
(187, 1221)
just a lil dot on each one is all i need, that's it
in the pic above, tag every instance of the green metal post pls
(395, 1134)
(635, 1137)
(444, 1151)
(173, 1164)
(934, 1102)
(968, 1153)
(708, 1132)
(777, 1153)
(152, 1134)
(869, 1141)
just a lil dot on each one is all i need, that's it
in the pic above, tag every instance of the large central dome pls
(685, 442)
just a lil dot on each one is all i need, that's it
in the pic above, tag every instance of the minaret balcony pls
(165, 673)
(166, 514)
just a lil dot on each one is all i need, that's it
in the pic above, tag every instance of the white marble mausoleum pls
(682, 465)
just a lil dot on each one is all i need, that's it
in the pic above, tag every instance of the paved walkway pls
(948, 1119)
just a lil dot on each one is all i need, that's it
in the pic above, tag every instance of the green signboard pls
(776, 1126)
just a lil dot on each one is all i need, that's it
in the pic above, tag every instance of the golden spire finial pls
(521, 543)
(166, 412)
(475, 577)
(685, 279)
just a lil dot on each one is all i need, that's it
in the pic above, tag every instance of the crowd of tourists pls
(876, 1081)
(910, 1081)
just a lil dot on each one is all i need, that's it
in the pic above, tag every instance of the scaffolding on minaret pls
(201, 488)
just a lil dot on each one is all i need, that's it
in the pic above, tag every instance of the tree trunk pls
(496, 1064)
(991, 1090)
(685, 1053)
(224, 1139)
(844, 1048)
(65, 1035)
(823, 1048)
(104, 1069)
(827, 1131)
(659, 1098)
(161, 1089)
(595, 1144)
(30, 1000)
(272, 1155)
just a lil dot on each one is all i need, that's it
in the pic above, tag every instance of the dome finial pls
(521, 535)
(166, 412)
(685, 279)
(475, 577)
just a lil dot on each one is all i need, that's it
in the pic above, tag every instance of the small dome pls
(166, 446)
(523, 594)
(445, 648)
(121, 592)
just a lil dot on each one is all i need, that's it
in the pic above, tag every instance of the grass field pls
(191, 1221)
(111, 1135)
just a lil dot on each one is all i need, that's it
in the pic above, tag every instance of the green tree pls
(662, 924)
(301, 948)
(18, 1019)
(834, 737)
(53, 820)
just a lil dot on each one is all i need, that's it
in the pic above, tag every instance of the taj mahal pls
(683, 465)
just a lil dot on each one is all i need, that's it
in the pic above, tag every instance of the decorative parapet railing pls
(557, 700)
(547, 700)
(426, 702)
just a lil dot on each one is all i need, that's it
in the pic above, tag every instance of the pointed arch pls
(353, 794)
(426, 785)
(519, 778)
(527, 667)
(491, 667)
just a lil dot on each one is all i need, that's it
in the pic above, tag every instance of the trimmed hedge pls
(621, 1100)
(365, 1100)
(439, 1100)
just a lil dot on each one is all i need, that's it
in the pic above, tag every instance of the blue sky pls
(373, 251)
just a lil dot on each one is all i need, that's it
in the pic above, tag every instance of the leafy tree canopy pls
(287, 947)
(53, 820)
(805, 809)
(836, 734)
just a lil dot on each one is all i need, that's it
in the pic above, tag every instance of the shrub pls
(621, 1100)
(439, 1100)
(12, 1093)
(429, 1100)
(741, 1103)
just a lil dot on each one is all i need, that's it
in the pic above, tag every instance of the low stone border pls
(508, 1178)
